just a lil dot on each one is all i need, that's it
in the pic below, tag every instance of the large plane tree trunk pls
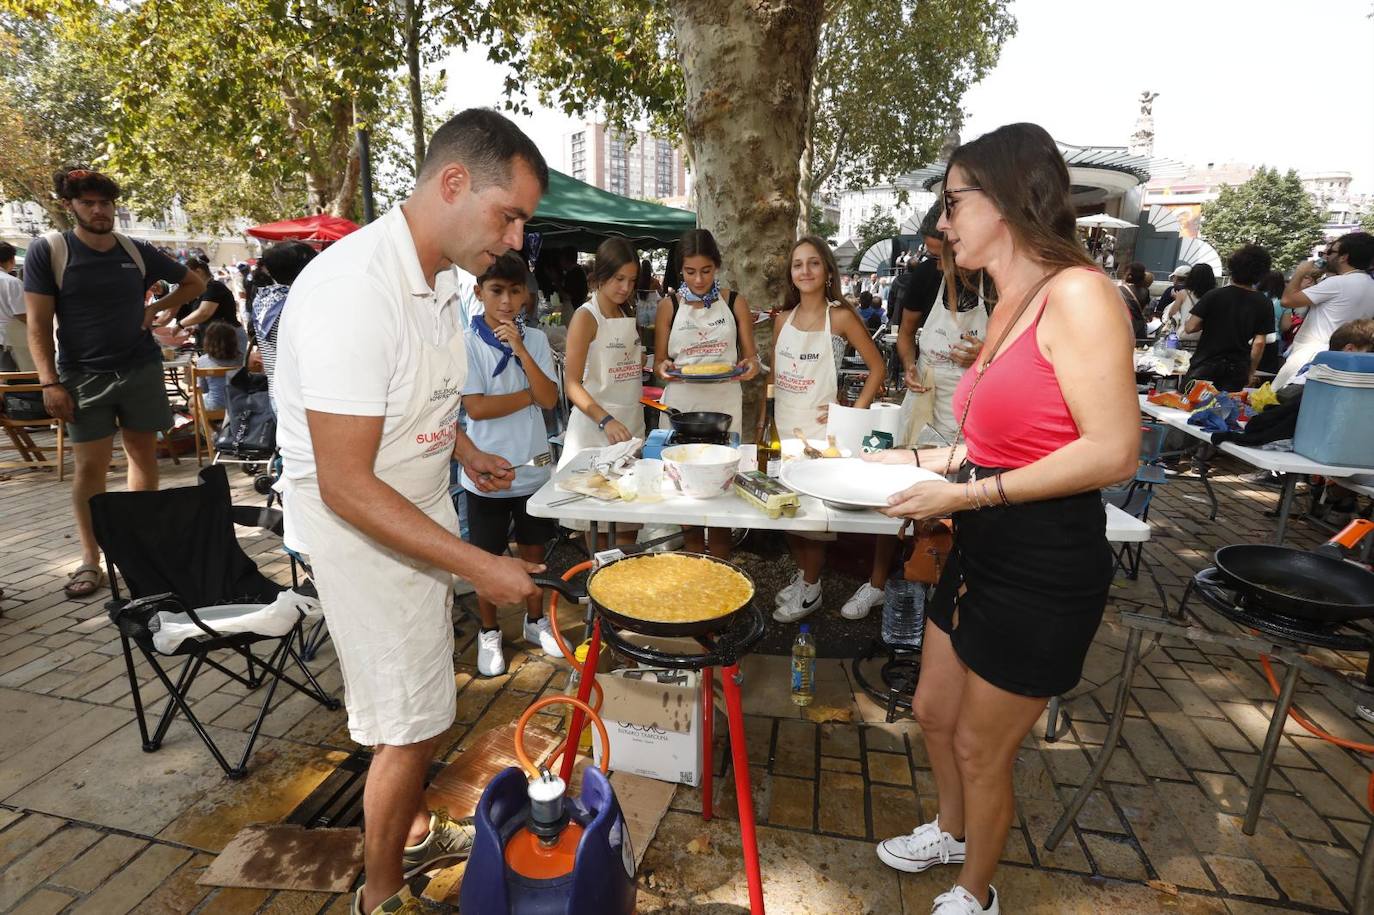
(748, 66)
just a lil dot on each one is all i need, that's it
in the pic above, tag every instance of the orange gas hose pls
(597, 696)
(1315, 731)
(528, 764)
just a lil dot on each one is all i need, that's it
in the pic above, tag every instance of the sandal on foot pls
(84, 582)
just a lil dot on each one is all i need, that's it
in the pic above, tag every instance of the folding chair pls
(204, 430)
(1134, 495)
(20, 429)
(177, 550)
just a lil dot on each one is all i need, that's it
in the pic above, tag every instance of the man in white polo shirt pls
(370, 371)
(1346, 294)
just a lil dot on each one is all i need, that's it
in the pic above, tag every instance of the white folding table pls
(1288, 464)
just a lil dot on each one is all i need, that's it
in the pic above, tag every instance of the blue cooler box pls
(1336, 420)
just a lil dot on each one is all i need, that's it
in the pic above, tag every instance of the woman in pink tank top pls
(1048, 416)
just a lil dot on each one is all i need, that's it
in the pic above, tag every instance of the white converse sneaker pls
(959, 901)
(801, 603)
(786, 591)
(490, 661)
(921, 849)
(540, 632)
(864, 600)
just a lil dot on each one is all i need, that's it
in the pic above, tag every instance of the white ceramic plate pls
(852, 483)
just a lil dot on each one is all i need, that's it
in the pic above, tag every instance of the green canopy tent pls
(577, 214)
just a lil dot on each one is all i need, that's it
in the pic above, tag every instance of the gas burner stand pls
(1282, 639)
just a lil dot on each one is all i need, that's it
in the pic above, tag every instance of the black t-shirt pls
(1231, 318)
(100, 306)
(916, 289)
(226, 308)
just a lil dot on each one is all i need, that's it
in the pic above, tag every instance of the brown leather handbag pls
(926, 548)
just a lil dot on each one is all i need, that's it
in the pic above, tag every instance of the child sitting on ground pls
(509, 384)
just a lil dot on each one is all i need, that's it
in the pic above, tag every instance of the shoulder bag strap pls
(131, 249)
(57, 255)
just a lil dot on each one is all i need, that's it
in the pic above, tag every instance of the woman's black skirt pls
(1024, 590)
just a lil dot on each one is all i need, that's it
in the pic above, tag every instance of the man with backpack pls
(107, 369)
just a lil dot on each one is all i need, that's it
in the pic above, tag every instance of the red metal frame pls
(739, 753)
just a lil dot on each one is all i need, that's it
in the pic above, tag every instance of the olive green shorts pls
(134, 399)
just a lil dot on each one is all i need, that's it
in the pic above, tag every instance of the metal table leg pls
(1271, 747)
(1290, 485)
(1364, 878)
(1118, 719)
(1203, 466)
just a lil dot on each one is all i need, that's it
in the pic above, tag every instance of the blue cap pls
(805, 627)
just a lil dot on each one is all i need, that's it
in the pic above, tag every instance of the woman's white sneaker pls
(800, 603)
(540, 632)
(921, 849)
(864, 600)
(490, 661)
(959, 901)
(786, 591)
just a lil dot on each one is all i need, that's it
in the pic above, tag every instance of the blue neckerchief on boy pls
(712, 294)
(488, 336)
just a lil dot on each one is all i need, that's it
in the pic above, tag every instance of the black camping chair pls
(177, 551)
(1134, 496)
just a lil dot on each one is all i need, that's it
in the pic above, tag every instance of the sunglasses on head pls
(951, 200)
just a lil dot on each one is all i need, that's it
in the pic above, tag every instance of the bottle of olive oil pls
(770, 443)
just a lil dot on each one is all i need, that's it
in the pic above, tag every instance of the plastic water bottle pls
(803, 667)
(904, 613)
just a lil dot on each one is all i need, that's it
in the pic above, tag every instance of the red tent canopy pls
(321, 229)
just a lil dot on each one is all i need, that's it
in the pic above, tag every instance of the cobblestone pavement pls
(90, 824)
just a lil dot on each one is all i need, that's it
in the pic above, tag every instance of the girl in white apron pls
(805, 384)
(698, 324)
(604, 362)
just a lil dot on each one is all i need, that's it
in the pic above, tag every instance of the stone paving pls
(90, 824)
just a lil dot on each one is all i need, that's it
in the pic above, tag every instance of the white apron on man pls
(704, 334)
(389, 615)
(804, 377)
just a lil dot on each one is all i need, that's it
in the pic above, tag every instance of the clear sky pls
(1265, 82)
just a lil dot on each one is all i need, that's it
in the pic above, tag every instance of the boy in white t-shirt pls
(510, 383)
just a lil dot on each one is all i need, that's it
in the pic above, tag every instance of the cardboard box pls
(653, 718)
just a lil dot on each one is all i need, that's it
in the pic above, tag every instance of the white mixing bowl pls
(701, 471)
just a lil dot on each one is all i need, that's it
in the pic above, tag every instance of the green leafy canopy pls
(1271, 210)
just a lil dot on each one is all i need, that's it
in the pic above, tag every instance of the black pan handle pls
(576, 593)
(1212, 587)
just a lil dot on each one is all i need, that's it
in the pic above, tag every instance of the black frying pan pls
(1307, 585)
(697, 424)
(619, 620)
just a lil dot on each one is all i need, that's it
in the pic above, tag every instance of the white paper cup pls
(649, 479)
(748, 458)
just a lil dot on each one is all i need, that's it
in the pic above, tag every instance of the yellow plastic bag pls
(1262, 398)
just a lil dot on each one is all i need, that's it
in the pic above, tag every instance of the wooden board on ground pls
(280, 856)
(460, 785)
